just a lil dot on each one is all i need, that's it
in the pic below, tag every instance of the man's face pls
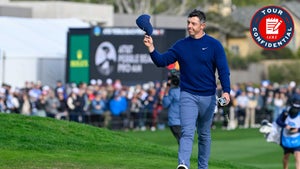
(195, 27)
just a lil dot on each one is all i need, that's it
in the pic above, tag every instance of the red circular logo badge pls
(272, 27)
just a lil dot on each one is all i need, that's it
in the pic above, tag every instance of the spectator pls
(232, 108)
(291, 90)
(160, 115)
(60, 88)
(260, 114)
(52, 104)
(97, 108)
(269, 104)
(135, 110)
(12, 101)
(98, 105)
(109, 88)
(107, 112)
(73, 105)
(62, 109)
(2, 104)
(142, 95)
(118, 107)
(279, 104)
(242, 103)
(36, 91)
(90, 93)
(81, 103)
(149, 103)
(85, 99)
(25, 104)
(250, 110)
(158, 108)
(41, 106)
(171, 101)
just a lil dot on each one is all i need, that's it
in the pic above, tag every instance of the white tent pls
(34, 49)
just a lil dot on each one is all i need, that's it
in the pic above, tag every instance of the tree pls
(169, 7)
(283, 53)
(285, 73)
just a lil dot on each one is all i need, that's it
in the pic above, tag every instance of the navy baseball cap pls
(296, 101)
(143, 22)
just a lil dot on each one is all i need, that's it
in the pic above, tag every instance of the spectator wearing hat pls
(60, 87)
(109, 88)
(63, 106)
(41, 105)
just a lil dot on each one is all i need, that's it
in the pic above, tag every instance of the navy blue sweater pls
(198, 60)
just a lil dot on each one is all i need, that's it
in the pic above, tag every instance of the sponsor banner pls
(78, 58)
(119, 53)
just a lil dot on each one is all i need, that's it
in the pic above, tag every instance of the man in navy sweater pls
(199, 56)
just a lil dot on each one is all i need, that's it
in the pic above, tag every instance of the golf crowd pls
(116, 106)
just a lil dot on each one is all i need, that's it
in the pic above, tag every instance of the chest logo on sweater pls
(272, 27)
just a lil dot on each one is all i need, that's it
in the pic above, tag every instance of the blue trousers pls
(195, 112)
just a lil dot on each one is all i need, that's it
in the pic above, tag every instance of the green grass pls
(240, 147)
(246, 146)
(35, 142)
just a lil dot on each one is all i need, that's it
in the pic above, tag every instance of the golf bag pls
(271, 131)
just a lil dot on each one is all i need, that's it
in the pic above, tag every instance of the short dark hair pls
(199, 14)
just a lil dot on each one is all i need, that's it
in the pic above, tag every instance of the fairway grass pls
(36, 142)
(245, 147)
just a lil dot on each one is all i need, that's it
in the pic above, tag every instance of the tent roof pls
(36, 38)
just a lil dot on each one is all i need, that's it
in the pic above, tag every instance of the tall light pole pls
(1, 66)
(154, 14)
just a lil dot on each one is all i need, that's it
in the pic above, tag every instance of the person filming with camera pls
(171, 102)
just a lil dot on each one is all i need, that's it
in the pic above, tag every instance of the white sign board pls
(1, 67)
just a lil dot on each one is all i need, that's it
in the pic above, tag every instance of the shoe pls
(182, 166)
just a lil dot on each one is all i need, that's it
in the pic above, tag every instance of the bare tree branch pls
(127, 6)
(182, 8)
(119, 6)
